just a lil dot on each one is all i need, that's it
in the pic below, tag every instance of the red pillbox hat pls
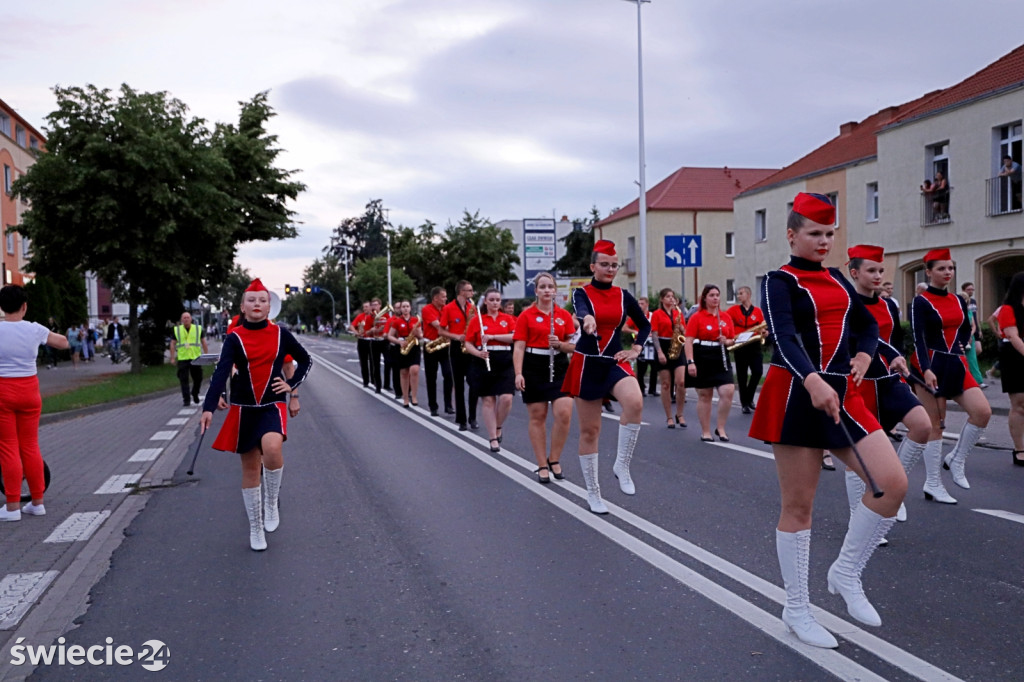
(816, 207)
(867, 252)
(604, 246)
(937, 254)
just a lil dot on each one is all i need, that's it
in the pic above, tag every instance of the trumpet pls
(755, 336)
(410, 341)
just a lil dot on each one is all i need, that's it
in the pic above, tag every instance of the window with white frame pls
(730, 291)
(25, 248)
(938, 160)
(33, 142)
(10, 240)
(871, 209)
(19, 135)
(8, 178)
(5, 124)
(730, 245)
(758, 281)
(760, 226)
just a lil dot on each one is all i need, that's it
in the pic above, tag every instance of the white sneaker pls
(6, 515)
(34, 510)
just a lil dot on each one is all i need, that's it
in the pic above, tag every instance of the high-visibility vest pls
(187, 341)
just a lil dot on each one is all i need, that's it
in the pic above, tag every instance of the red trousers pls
(20, 406)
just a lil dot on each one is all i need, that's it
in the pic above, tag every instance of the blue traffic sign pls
(683, 251)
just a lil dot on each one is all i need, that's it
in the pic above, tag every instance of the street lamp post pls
(643, 163)
(335, 247)
(387, 224)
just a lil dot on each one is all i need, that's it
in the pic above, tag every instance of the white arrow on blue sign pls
(683, 251)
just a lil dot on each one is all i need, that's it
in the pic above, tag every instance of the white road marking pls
(18, 591)
(829, 659)
(742, 448)
(177, 421)
(999, 513)
(145, 454)
(164, 435)
(116, 484)
(78, 527)
(187, 411)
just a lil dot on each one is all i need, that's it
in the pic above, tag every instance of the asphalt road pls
(408, 551)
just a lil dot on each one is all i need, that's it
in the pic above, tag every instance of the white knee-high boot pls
(589, 465)
(794, 550)
(272, 482)
(957, 458)
(909, 452)
(855, 488)
(933, 488)
(627, 444)
(866, 529)
(254, 510)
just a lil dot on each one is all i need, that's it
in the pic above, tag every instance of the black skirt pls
(405, 361)
(499, 381)
(670, 364)
(1011, 368)
(537, 371)
(711, 372)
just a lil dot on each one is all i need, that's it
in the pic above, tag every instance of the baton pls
(875, 491)
(192, 466)
(923, 385)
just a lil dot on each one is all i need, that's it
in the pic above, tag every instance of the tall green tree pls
(227, 293)
(475, 250)
(151, 199)
(579, 244)
(365, 235)
(370, 280)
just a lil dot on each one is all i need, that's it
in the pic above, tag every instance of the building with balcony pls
(690, 201)
(19, 144)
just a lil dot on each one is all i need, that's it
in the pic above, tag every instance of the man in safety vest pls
(187, 344)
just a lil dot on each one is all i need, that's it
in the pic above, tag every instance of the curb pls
(100, 407)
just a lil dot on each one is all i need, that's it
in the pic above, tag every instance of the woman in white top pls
(20, 403)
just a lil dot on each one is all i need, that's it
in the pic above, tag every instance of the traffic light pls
(308, 289)
(287, 289)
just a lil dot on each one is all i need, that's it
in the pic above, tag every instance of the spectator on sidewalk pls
(90, 341)
(52, 358)
(187, 344)
(115, 335)
(75, 344)
(21, 403)
(83, 341)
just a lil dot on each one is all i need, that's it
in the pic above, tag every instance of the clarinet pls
(551, 349)
(721, 344)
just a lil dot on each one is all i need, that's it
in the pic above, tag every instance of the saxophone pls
(678, 338)
(755, 338)
(410, 341)
(437, 344)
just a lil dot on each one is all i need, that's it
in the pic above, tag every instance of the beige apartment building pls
(19, 144)
(691, 201)
(874, 170)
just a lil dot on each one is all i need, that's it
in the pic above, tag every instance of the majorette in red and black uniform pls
(885, 392)
(811, 312)
(258, 350)
(593, 371)
(533, 327)
(940, 324)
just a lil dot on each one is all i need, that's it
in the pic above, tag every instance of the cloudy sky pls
(515, 108)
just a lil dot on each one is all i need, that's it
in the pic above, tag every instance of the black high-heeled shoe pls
(494, 448)
(557, 474)
(1018, 462)
(724, 439)
(707, 439)
(543, 479)
(680, 422)
(499, 434)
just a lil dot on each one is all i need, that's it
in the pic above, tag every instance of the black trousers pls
(378, 347)
(431, 362)
(641, 372)
(386, 347)
(748, 360)
(460, 367)
(185, 370)
(363, 348)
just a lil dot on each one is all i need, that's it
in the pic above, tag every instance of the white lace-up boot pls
(933, 488)
(957, 458)
(794, 550)
(272, 482)
(908, 453)
(627, 443)
(855, 488)
(589, 465)
(866, 529)
(254, 510)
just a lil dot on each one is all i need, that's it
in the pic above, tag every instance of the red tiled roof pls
(1008, 71)
(695, 189)
(856, 141)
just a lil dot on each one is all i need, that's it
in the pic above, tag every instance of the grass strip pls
(113, 387)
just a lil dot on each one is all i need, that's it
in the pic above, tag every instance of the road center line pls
(999, 513)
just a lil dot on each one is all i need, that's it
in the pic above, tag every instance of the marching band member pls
(809, 388)
(1011, 360)
(541, 341)
(664, 322)
(746, 316)
(431, 315)
(378, 347)
(489, 340)
(399, 328)
(884, 391)
(708, 334)
(454, 318)
(361, 326)
(645, 361)
(257, 424)
(600, 366)
(941, 331)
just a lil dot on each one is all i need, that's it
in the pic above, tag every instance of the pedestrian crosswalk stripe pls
(116, 484)
(187, 411)
(163, 435)
(177, 421)
(145, 454)
(18, 591)
(78, 527)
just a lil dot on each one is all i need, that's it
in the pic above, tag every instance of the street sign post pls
(683, 251)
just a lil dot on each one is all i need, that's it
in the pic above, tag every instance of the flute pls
(721, 344)
(551, 349)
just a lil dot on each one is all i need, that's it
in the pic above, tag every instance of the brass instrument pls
(410, 341)
(678, 337)
(437, 344)
(383, 312)
(755, 336)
